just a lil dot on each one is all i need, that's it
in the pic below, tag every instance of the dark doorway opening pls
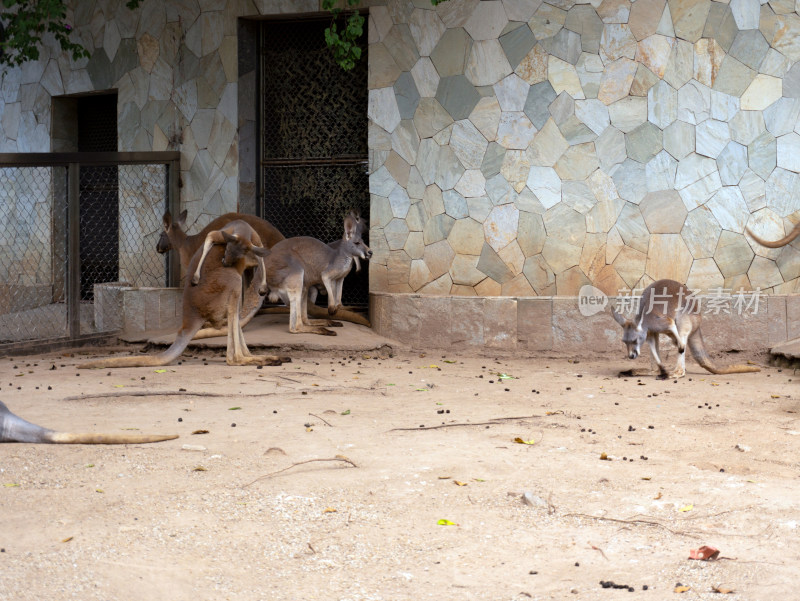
(99, 194)
(313, 138)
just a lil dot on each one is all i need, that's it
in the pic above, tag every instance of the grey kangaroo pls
(174, 237)
(215, 300)
(297, 264)
(15, 429)
(666, 308)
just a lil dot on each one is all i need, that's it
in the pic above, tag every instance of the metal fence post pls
(174, 207)
(73, 251)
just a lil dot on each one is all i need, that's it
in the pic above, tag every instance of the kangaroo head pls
(238, 249)
(354, 227)
(164, 243)
(633, 334)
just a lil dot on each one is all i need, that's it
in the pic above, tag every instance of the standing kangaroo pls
(666, 308)
(777, 243)
(215, 300)
(15, 429)
(174, 237)
(297, 264)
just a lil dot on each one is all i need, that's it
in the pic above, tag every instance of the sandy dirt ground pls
(357, 476)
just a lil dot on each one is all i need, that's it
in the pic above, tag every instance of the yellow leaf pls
(444, 477)
(160, 371)
(444, 522)
(329, 510)
(775, 396)
(119, 386)
(645, 477)
(66, 540)
(457, 483)
(11, 485)
(682, 589)
(686, 508)
(99, 490)
(520, 441)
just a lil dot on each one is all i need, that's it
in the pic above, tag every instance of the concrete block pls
(466, 322)
(500, 323)
(535, 323)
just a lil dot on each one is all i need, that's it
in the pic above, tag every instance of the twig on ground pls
(323, 419)
(337, 458)
(599, 549)
(492, 422)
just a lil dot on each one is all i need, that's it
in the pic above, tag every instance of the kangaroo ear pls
(617, 317)
(229, 237)
(349, 227)
(639, 322)
(167, 220)
(182, 217)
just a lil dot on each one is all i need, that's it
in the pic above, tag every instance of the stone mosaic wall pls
(521, 147)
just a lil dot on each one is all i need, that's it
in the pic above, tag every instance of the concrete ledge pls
(556, 324)
(126, 309)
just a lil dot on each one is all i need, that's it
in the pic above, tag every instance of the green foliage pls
(23, 23)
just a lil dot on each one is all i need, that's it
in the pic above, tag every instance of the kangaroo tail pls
(341, 313)
(701, 356)
(168, 356)
(777, 243)
(69, 438)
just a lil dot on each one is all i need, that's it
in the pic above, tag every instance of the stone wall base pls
(119, 307)
(556, 324)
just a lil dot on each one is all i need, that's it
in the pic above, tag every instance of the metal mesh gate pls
(313, 139)
(49, 256)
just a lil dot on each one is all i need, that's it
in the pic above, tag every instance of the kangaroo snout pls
(633, 354)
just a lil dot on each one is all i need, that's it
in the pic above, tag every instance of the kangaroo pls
(175, 238)
(235, 230)
(666, 308)
(215, 300)
(297, 264)
(15, 429)
(777, 243)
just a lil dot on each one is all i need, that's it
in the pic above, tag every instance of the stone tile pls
(630, 265)
(487, 63)
(516, 165)
(775, 64)
(533, 67)
(563, 77)
(765, 224)
(732, 163)
(396, 233)
(545, 183)
(643, 81)
(630, 180)
(787, 152)
(426, 78)
(632, 229)
(729, 209)
(711, 137)
(762, 154)
(602, 186)
(437, 228)
(539, 275)
(517, 44)
(663, 212)
(644, 142)
(511, 93)
(697, 193)
(466, 238)
(415, 246)
(628, 113)
(451, 52)
(548, 145)
(576, 132)
(723, 106)
(500, 191)
(662, 101)
(603, 215)
(479, 208)
(426, 28)
(514, 259)
(593, 256)
(464, 270)
(754, 190)
(500, 227)
(746, 13)
(448, 170)
(782, 116)
(693, 168)
(468, 144)
(689, 17)
(594, 114)
(610, 146)
(399, 202)
(700, 232)
(398, 168)
(720, 25)
(493, 266)
(704, 276)
(419, 274)
(708, 55)
(471, 184)
(733, 254)
(487, 21)
(644, 17)
(456, 15)
(746, 126)
(733, 77)
(382, 70)
(458, 96)
(680, 68)
(761, 93)
(382, 109)
(398, 270)
(668, 257)
(565, 45)
(407, 96)
(430, 118)
(788, 262)
(535, 324)
(578, 196)
(455, 205)
(571, 281)
(440, 287)
(438, 257)
(577, 162)
(514, 131)
(531, 233)
(405, 140)
(560, 256)
(583, 20)
(749, 47)
(783, 192)
(614, 11)
(493, 160)
(661, 171)
(527, 201)
(400, 44)
(695, 104)
(590, 73)
(547, 21)
(539, 98)
(764, 273)
(500, 323)
(563, 223)
(617, 80)
(654, 52)
(562, 108)
(617, 42)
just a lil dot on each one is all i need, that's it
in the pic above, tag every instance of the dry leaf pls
(200, 432)
(686, 508)
(704, 553)
(457, 483)
(329, 510)
(199, 468)
(518, 440)
(657, 497)
(722, 589)
(682, 589)
(66, 540)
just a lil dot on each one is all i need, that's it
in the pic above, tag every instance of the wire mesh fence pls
(60, 238)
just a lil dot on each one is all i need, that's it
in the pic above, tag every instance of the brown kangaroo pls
(15, 429)
(297, 264)
(174, 237)
(215, 300)
(666, 308)
(235, 230)
(777, 243)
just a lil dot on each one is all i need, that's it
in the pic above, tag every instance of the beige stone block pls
(488, 287)
(614, 11)
(466, 322)
(379, 316)
(460, 290)
(630, 265)
(644, 17)
(777, 318)
(689, 18)
(438, 257)
(708, 55)
(518, 286)
(535, 324)
(564, 77)
(441, 286)
(614, 244)
(486, 117)
(378, 278)
(500, 323)
(560, 255)
(609, 281)
(399, 268)
(434, 321)
(733, 254)
(643, 81)
(533, 68)
(464, 270)
(764, 273)
(593, 255)
(419, 274)
(405, 312)
(663, 212)
(668, 257)
(466, 237)
(540, 275)
(616, 81)
(705, 275)
(574, 333)
(571, 281)
(513, 257)
(382, 69)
